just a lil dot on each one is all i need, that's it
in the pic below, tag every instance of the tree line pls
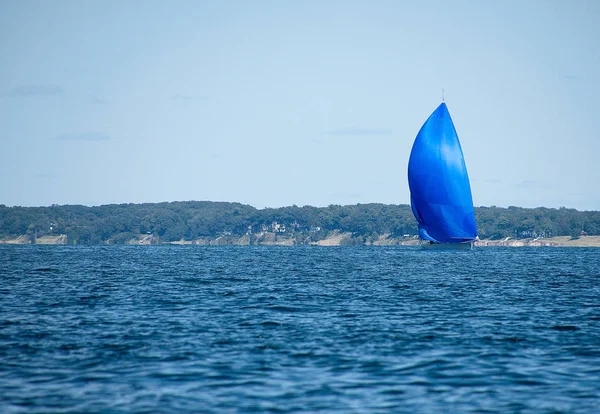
(191, 220)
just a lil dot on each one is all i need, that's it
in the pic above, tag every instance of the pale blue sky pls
(274, 103)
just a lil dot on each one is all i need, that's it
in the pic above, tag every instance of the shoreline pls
(335, 238)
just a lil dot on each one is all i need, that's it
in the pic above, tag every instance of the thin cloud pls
(31, 91)
(181, 97)
(345, 196)
(88, 136)
(46, 175)
(359, 131)
(96, 100)
(533, 184)
(184, 97)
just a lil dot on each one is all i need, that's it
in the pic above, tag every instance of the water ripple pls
(176, 329)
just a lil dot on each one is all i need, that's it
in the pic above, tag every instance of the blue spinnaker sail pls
(440, 193)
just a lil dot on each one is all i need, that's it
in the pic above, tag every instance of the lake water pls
(175, 329)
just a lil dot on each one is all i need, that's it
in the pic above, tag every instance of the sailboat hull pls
(447, 246)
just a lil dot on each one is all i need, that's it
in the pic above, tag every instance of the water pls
(175, 329)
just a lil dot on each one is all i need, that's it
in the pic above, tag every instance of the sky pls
(276, 103)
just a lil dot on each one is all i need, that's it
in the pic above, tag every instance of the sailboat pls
(440, 192)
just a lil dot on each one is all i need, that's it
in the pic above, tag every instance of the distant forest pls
(192, 220)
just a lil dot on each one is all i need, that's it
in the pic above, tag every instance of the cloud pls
(45, 175)
(181, 97)
(86, 136)
(30, 91)
(533, 184)
(96, 100)
(345, 196)
(359, 131)
(184, 97)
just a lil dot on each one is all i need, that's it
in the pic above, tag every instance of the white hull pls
(447, 246)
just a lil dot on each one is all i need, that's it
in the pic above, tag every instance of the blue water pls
(175, 329)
